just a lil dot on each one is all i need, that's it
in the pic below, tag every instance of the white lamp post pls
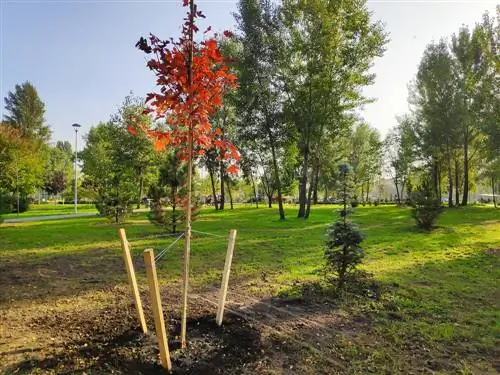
(76, 126)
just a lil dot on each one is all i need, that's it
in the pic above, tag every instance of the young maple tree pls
(192, 78)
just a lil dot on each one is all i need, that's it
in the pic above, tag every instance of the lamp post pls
(76, 126)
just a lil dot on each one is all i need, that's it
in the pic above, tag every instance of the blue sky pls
(81, 57)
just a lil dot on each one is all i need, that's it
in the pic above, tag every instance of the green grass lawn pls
(439, 291)
(51, 209)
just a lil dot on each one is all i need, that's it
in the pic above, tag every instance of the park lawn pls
(432, 306)
(50, 209)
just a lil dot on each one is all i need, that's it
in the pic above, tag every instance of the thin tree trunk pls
(222, 194)
(303, 185)
(435, 179)
(457, 184)
(493, 192)
(309, 198)
(367, 190)
(316, 181)
(174, 207)
(141, 190)
(326, 194)
(397, 191)
(276, 176)
(214, 193)
(465, 196)
(254, 191)
(269, 201)
(362, 191)
(450, 184)
(228, 184)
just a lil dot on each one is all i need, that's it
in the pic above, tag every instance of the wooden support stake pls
(154, 292)
(131, 278)
(225, 276)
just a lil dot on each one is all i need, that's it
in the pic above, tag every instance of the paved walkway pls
(43, 218)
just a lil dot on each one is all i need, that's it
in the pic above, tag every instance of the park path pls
(58, 217)
(48, 217)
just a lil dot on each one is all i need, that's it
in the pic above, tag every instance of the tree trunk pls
(269, 201)
(254, 191)
(493, 192)
(174, 207)
(326, 194)
(397, 190)
(230, 193)
(141, 190)
(214, 193)
(316, 180)
(367, 190)
(222, 194)
(362, 191)
(450, 184)
(457, 185)
(465, 196)
(276, 176)
(303, 185)
(435, 179)
(309, 197)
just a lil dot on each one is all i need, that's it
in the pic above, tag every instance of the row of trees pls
(301, 67)
(452, 132)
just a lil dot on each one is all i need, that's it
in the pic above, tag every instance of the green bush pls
(426, 208)
(8, 203)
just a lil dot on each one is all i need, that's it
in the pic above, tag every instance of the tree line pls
(452, 133)
(295, 116)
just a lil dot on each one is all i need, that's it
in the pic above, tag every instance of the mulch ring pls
(108, 340)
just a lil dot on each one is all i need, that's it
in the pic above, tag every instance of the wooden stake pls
(154, 292)
(225, 276)
(131, 278)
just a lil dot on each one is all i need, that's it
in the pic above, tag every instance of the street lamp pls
(76, 126)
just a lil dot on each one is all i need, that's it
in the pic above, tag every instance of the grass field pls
(433, 306)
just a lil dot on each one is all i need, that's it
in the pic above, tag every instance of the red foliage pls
(186, 107)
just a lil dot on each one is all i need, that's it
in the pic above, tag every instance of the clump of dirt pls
(109, 341)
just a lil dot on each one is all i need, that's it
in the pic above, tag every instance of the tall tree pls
(364, 158)
(438, 107)
(330, 46)
(471, 69)
(260, 97)
(25, 112)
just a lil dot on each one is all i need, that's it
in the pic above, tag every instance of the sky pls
(80, 54)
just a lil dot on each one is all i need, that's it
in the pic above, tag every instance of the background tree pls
(25, 112)
(168, 190)
(21, 168)
(58, 169)
(400, 155)
(259, 94)
(364, 159)
(140, 151)
(438, 107)
(329, 49)
(108, 168)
